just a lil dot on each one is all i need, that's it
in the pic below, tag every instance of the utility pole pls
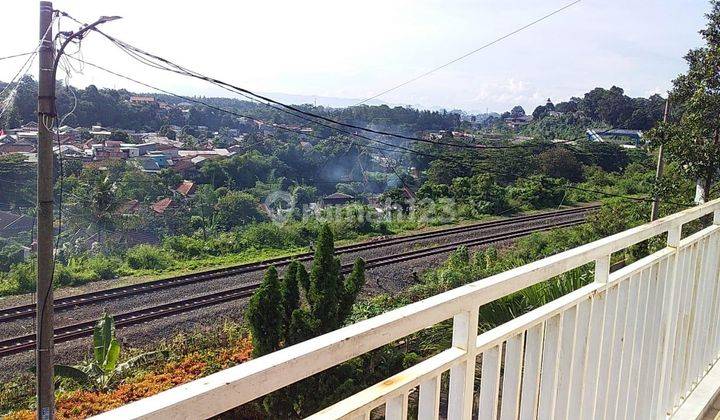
(46, 113)
(45, 346)
(655, 210)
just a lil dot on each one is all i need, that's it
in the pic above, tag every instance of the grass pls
(174, 266)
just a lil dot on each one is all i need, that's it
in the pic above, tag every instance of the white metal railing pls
(632, 344)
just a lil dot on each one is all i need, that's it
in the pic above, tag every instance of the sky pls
(354, 50)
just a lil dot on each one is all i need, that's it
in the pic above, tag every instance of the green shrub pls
(104, 267)
(269, 235)
(537, 192)
(82, 270)
(147, 257)
(187, 246)
(23, 276)
(10, 254)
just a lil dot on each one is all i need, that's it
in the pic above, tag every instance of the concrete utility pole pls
(655, 210)
(46, 113)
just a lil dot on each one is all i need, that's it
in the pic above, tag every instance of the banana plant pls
(99, 372)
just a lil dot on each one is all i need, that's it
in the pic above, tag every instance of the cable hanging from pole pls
(165, 64)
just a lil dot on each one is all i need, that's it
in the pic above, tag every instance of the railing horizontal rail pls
(397, 384)
(566, 318)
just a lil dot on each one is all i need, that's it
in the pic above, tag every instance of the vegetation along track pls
(71, 302)
(26, 342)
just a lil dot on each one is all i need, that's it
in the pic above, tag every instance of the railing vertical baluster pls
(532, 360)
(397, 408)
(602, 269)
(687, 377)
(627, 408)
(646, 389)
(462, 375)
(429, 399)
(607, 355)
(359, 416)
(489, 383)
(668, 327)
(512, 377)
(565, 362)
(580, 350)
(549, 370)
(701, 328)
(684, 307)
(628, 347)
(713, 343)
(712, 279)
(594, 350)
(617, 352)
(664, 300)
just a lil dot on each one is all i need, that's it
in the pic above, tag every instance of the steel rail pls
(70, 332)
(71, 302)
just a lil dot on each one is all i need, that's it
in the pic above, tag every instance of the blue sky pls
(357, 49)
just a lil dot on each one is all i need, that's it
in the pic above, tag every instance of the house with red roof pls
(186, 188)
(162, 206)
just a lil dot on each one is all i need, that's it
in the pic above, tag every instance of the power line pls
(627, 197)
(352, 143)
(489, 44)
(7, 57)
(337, 129)
(397, 148)
(294, 111)
(167, 65)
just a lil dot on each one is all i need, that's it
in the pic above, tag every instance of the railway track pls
(71, 302)
(70, 332)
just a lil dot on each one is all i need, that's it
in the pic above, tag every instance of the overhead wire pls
(335, 139)
(7, 57)
(482, 47)
(168, 65)
(395, 148)
(14, 83)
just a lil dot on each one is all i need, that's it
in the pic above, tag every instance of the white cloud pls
(356, 49)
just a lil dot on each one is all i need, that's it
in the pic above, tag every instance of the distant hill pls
(328, 101)
(120, 108)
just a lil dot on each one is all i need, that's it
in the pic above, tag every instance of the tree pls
(480, 190)
(609, 156)
(352, 287)
(693, 139)
(290, 291)
(559, 162)
(237, 208)
(93, 200)
(539, 112)
(166, 131)
(18, 186)
(517, 112)
(203, 205)
(120, 136)
(278, 318)
(537, 191)
(324, 282)
(265, 315)
(304, 195)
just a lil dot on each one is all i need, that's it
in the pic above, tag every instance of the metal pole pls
(655, 210)
(44, 318)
